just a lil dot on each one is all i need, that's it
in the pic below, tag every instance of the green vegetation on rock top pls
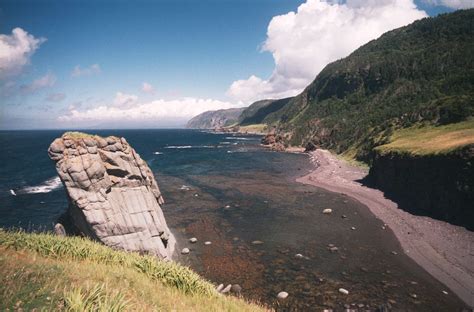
(78, 135)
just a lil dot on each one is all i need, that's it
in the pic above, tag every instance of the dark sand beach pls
(444, 250)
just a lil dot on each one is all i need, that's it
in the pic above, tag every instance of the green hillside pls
(421, 74)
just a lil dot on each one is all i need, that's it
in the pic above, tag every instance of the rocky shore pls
(443, 250)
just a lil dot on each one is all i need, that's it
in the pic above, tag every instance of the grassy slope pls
(54, 273)
(431, 140)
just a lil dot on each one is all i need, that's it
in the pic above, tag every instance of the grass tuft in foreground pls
(43, 271)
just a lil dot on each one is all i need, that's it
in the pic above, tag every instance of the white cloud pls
(88, 71)
(158, 113)
(123, 100)
(148, 88)
(320, 32)
(454, 4)
(55, 97)
(16, 50)
(45, 81)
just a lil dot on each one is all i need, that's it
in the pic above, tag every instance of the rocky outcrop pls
(440, 186)
(113, 196)
(274, 141)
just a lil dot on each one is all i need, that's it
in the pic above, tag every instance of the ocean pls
(268, 232)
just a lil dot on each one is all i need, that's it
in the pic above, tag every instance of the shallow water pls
(230, 191)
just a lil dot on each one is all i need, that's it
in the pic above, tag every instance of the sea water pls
(268, 232)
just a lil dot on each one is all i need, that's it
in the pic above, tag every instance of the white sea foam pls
(45, 187)
(158, 153)
(12, 192)
(239, 138)
(178, 146)
(189, 146)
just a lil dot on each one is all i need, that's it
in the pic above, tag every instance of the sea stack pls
(113, 195)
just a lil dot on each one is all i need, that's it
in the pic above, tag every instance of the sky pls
(73, 64)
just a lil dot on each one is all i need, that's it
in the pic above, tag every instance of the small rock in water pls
(343, 291)
(327, 211)
(360, 305)
(207, 243)
(236, 288)
(226, 289)
(257, 242)
(282, 295)
(299, 256)
(185, 251)
(333, 249)
(235, 239)
(59, 229)
(193, 240)
(445, 292)
(227, 207)
(353, 228)
(330, 245)
(413, 283)
(220, 287)
(344, 216)
(196, 195)
(413, 296)
(394, 253)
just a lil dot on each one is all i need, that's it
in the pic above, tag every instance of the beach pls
(445, 251)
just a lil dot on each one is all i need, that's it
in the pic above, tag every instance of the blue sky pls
(192, 56)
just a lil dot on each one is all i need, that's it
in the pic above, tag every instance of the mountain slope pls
(215, 119)
(421, 73)
(257, 112)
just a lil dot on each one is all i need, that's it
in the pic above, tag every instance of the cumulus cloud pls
(148, 88)
(55, 97)
(88, 71)
(453, 4)
(157, 113)
(123, 100)
(304, 42)
(16, 50)
(45, 81)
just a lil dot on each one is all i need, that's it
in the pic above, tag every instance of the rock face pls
(113, 196)
(440, 186)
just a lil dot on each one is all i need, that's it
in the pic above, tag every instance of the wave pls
(45, 187)
(189, 146)
(158, 153)
(240, 138)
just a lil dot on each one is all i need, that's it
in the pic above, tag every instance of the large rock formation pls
(113, 195)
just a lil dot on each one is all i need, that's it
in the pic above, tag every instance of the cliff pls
(429, 171)
(215, 119)
(438, 186)
(113, 196)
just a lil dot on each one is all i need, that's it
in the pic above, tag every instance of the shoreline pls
(444, 250)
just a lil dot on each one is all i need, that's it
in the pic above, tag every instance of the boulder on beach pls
(113, 195)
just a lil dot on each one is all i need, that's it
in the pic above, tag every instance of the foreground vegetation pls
(48, 272)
